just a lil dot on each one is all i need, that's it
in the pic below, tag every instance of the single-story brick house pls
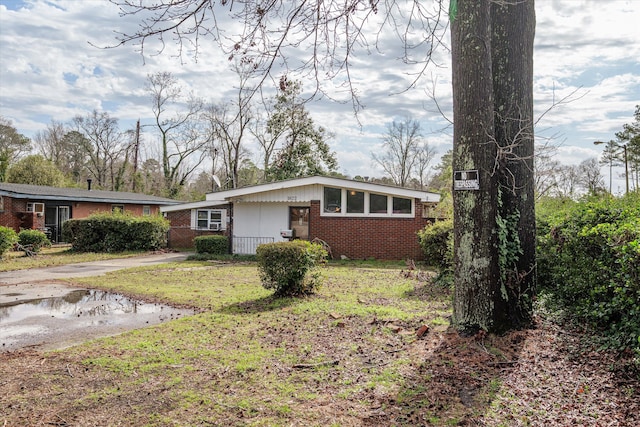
(24, 206)
(356, 219)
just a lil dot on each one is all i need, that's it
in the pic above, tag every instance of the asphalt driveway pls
(38, 311)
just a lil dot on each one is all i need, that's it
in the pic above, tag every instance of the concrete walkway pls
(85, 269)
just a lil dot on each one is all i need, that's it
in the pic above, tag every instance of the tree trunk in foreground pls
(477, 301)
(513, 30)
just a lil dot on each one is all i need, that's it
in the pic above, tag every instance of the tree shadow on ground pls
(451, 379)
(260, 305)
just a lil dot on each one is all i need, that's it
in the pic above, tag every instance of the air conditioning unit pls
(214, 226)
(36, 207)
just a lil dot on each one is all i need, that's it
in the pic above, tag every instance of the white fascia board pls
(193, 205)
(424, 196)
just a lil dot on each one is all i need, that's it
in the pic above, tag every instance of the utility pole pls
(135, 155)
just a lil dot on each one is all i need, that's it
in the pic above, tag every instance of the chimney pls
(89, 184)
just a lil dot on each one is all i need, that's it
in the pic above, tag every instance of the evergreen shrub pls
(213, 244)
(34, 240)
(291, 268)
(116, 232)
(436, 241)
(589, 264)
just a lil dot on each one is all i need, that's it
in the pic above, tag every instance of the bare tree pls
(567, 181)
(50, 143)
(590, 178)
(403, 151)
(103, 145)
(229, 126)
(182, 136)
(324, 34)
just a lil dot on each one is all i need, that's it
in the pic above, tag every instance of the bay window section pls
(355, 201)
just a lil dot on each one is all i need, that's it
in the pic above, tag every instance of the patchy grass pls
(54, 256)
(347, 356)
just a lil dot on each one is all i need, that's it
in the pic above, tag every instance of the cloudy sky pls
(52, 67)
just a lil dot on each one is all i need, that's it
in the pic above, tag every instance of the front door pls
(299, 222)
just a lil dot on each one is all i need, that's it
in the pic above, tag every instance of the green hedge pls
(8, 238)
(589, 264)
(290, 268)
(34, 240)
(214, 244)
(116, 232)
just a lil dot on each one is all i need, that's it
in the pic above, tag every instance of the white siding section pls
(288, 195)
(260, 220)
(255, 223)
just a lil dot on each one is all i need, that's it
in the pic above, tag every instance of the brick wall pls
(180, 233)
(15, 215)
(8, 216)
(362, 237)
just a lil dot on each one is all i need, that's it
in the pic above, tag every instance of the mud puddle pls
(46, 319)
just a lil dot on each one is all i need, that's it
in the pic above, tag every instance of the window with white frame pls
(1, 204)
(35, 207)
(211, 219)
(341, 201)
(332, 200)
(117, 208)
(146, 210)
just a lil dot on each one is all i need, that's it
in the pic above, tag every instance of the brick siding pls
(181, 234)
(362, 237)
(15, 215)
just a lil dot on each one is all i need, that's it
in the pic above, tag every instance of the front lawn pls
(348, 356)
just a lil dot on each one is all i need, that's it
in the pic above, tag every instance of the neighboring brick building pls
(45, 208)
(356, 219)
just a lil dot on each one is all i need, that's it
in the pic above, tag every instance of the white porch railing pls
(248, 245)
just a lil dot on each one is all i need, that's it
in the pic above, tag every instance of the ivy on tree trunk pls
(492, 51)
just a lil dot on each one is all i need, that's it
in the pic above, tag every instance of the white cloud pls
(52, 68)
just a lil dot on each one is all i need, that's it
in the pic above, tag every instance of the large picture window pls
(210, 219)
(341, 201)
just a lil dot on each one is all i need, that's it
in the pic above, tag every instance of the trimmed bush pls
(34, 240)
(290, 268)
(589, 264)
(436, 241)
(116, 232)
(214, 244)
(8, 238)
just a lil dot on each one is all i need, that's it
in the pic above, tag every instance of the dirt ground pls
(536, 377)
